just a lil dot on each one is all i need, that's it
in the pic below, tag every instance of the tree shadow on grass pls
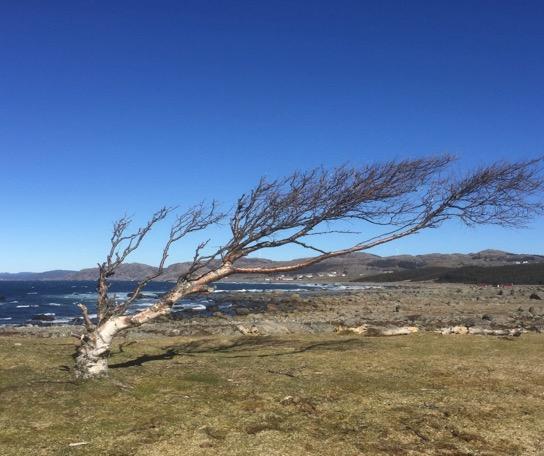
(245, 347)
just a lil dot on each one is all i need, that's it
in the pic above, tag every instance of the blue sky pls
(120, 107)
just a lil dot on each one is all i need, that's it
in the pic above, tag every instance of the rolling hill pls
(357, 266)
(528, 274)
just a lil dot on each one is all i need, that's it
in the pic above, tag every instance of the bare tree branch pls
(308, 246)
(89, 326)
(498, 194)
(121, 245)
(404, 197)
(196, 218)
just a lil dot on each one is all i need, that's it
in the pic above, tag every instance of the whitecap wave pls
(189, 306)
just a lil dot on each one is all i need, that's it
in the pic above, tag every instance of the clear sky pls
(113, 107)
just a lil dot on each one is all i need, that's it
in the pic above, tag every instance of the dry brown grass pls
(422, 394)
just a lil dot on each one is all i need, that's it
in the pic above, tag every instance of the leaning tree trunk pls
(92, 354)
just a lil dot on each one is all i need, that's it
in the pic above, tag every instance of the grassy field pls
(308, 395)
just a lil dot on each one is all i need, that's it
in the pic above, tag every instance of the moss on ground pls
(289, 395)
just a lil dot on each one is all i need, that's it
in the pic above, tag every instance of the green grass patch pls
(289, 395)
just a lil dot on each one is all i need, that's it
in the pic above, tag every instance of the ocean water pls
(54, 302)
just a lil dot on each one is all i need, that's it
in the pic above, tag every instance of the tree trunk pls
(92, 355)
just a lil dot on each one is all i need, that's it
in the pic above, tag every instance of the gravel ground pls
(425, 305)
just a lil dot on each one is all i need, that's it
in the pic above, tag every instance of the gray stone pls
(241, 311)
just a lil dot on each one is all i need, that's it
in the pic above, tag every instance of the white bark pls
(366, 330)
(92, 354)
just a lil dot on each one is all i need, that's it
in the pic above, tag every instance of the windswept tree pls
(401, 197)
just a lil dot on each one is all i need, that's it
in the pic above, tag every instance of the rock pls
(454, 330)
(487, 317)
(138, 296)
(287, 400)
(351, 322)
(478, 330)
(468, 322)
(44, 317)
(397, 308)
(252, 331)
(535, 296)
(241, 311)
(392, 331)
(285, 307)
(272, 307)
(271, 327)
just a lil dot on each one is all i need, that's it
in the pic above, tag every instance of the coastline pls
(300, 387)
(426, 306)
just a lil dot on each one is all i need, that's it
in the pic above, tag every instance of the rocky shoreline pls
(424, 306)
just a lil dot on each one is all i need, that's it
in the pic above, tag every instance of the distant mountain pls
(128, 271)
(353, 266)
(59, 274)
(528, 274)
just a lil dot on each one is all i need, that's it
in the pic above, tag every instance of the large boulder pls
(44, 317)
